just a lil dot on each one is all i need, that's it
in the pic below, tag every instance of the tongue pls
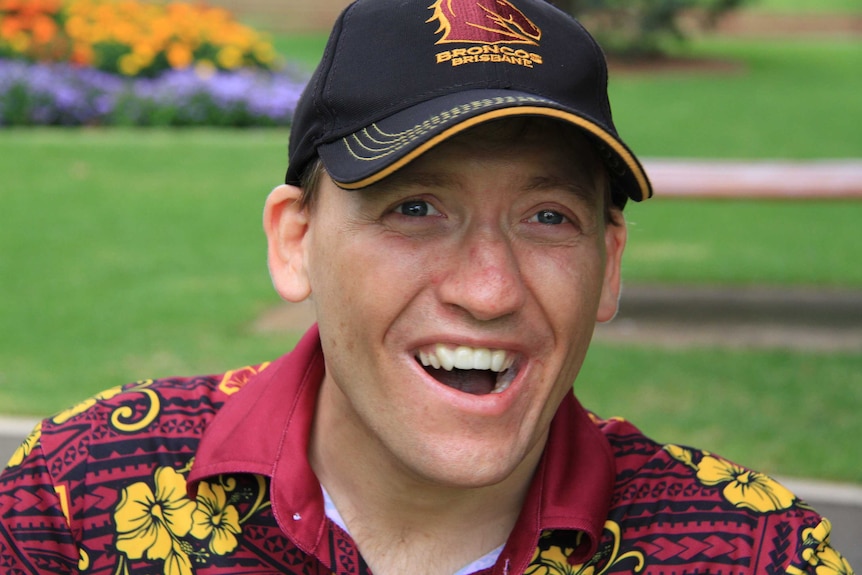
(473, 381)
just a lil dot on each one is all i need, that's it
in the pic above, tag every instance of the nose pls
(483, 276)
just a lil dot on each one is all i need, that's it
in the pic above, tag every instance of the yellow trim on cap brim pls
(592, 128)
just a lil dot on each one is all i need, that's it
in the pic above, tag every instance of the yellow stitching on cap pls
(591, 127)
(355, 145)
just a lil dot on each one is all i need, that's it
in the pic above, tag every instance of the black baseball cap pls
(398, 77)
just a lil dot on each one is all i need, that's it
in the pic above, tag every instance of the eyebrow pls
(400, 180)
(430, 180)
(586, 193)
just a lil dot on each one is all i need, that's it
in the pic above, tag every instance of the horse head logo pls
(483, 22)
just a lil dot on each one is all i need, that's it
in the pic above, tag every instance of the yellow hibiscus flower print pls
(150, 523)
(215, 520)
(744, 488)
(550, 559)
(830, 562)
(555, 561)
(177, 562)
(26, 446)
(681, 454)
(820, 554)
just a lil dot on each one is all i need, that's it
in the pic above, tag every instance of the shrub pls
(643, 28)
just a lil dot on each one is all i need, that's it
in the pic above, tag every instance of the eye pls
(549, 217)
(416, 209)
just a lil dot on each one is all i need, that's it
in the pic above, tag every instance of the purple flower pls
(52, 94)
(61, 94)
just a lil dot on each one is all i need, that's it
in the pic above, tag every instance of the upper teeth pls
(463, 357)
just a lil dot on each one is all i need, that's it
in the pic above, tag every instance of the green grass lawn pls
(744, 242)
(781, 99)
(781, 412)
(807, 6)
(127, 254)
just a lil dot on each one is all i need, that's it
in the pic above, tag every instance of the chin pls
(466, 470)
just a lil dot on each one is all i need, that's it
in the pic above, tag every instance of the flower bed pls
(62, 94)
(126, 62)
(130, 37)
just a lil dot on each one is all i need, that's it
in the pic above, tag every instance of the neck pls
(399, 519)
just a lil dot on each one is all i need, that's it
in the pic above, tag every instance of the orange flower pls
(44, 29)
(82, 55)
(9, 27)
(179, 56)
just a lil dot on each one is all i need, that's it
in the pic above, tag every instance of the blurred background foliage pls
(633, 29)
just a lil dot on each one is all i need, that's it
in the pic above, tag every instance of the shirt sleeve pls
(34, 529)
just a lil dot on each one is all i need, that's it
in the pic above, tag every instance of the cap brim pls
(367, 156)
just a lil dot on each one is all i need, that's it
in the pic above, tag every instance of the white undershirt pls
(483, 562)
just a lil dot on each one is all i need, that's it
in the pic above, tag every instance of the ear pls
(286, 225)
(615, 242)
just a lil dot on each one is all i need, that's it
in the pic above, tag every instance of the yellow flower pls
(264, 52)
(76, 26)
(215, 520)
(820, 554)
(744, 488)
(129, 65)
(814, 539)
(148, 523)
(555, 561)
(830, 562)
(681, 454)
(26, 447)
(177, 562)
(19, 42)
(230, 57)
(180, 33)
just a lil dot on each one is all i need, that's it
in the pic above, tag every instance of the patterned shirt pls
(209, 475)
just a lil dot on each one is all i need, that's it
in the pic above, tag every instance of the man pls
(453, 208)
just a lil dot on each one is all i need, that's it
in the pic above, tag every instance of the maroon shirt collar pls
(264, 429)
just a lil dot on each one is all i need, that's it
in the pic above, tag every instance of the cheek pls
(565, 279)
(357, 277)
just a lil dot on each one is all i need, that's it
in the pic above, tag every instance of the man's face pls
(456, 300)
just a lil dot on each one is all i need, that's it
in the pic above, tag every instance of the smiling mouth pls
(477, 371)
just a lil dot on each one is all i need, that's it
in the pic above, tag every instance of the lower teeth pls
(504, 380)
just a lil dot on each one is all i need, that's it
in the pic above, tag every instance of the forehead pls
(540, 147)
